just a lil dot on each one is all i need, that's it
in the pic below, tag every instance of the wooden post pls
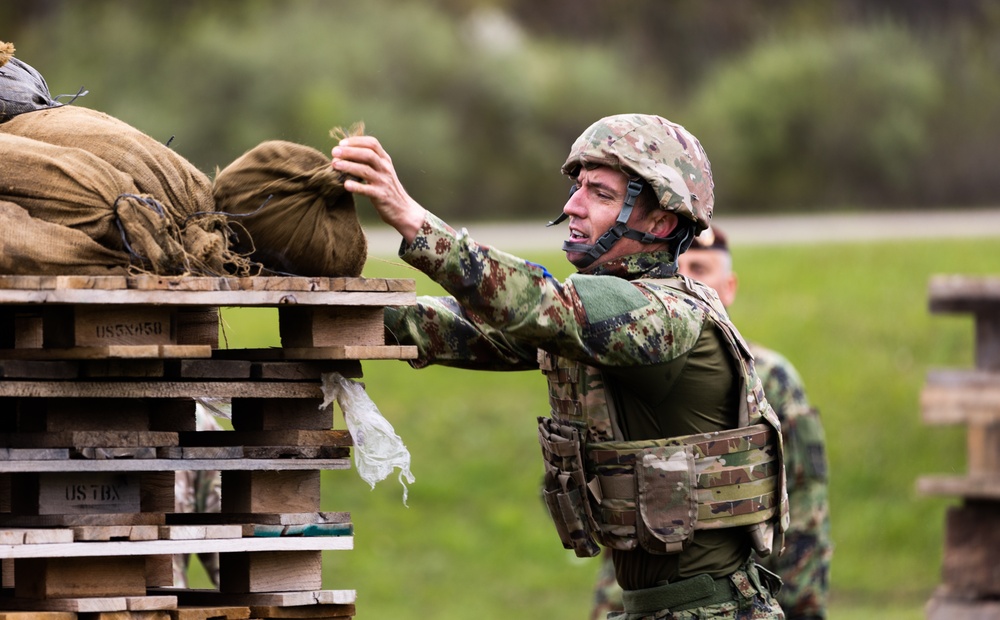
(970, 581)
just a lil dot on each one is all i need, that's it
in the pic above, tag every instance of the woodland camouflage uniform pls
(804, 566)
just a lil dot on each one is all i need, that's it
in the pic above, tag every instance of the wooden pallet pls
(970, 583)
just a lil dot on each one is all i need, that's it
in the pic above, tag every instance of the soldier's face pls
(595, 206)
(713, 268)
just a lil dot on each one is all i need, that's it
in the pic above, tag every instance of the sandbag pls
(155, 170)
(75, 189)
(295, 215)
(22, 88)
(30, 246)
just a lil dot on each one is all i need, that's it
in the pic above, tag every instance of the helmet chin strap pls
(616, 232)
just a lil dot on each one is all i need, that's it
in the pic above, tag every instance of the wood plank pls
(93, 604)
(49, 577)
(277, 599)
(34, 536)
(132, 368)
(96, 326)
(37, 615)
(971, 487)
(201, 452)
(341, 438)
(30, 369)
(195, 532)
(282, 519)
(341, 352)
(160, 389)
(960, 293)
(255, 297)
(118, 351)
(305, 370)
(146, 452)
(331, 326)
(957, 397)
(303, 612)
(311, 529)
(944, 607)
(92, 533)
(125, 465)
(184, 612)
(90, 414)
(31, 454)
(88, 604)
(210, 369)
(270, 414)
(89, 439)
(118, 548)
(162, 614)
(270, 491)
(75, 493)
(274, 571)
(14, 520)
(296, 452)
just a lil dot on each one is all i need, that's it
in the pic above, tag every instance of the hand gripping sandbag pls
(290, 209)
(377, 448)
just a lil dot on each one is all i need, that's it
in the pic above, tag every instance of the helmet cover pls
(664, 154)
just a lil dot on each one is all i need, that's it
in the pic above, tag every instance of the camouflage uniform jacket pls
(505, 309)
(805, 565)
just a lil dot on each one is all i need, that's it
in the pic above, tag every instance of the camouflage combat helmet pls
(652, 150)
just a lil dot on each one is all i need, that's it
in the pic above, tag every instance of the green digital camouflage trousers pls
(744, 595)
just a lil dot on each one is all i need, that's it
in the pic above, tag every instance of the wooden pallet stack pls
(98, 381)
(970, 586)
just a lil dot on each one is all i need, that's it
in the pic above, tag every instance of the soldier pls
(660, 444)
(804, 567)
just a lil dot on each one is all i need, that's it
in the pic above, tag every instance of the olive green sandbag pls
(295, 215)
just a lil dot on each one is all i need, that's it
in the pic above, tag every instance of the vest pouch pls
(667, 502)
(564, 487)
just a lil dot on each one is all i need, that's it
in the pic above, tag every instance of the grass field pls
(475, 540)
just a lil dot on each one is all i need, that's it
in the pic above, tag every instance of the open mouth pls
(576, 236)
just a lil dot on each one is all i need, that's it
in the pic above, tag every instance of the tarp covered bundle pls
(22, 89)
(296, 216)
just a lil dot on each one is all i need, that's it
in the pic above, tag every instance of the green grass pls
(475, 540)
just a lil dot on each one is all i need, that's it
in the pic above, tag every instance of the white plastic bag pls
(377, 448)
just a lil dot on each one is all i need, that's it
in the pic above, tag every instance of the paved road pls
(757, 230)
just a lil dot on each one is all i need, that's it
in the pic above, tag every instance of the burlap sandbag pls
(75, 189)
(64, 250)
(184, 192)
(297, 217)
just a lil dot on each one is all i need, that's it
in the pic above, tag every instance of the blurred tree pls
(478, 100)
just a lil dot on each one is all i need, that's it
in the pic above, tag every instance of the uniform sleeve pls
(518, 307)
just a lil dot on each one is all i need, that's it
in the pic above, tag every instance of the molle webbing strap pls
(736, 481)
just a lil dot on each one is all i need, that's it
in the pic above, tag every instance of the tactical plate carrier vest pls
(656, 493)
